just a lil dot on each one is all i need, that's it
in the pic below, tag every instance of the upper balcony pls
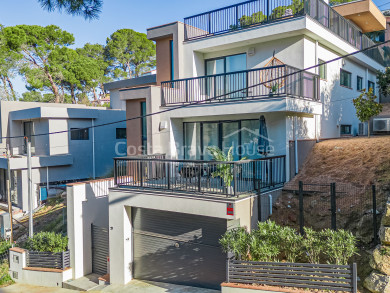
(259, 12)
(267, 82)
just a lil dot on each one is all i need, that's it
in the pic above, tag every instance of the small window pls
(346, 129)
(121, 133)
(371, 85)
(16, 259)
(323, 69)
(79, 134)
(359, 83)
(15, 275)
(345, 78)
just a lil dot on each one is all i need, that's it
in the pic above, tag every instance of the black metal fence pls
(332, 205)
(60, 260)
(247, 84)
(307, 276)
(207, 177)
(257, 12)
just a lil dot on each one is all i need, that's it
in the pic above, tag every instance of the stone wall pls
(379, 280)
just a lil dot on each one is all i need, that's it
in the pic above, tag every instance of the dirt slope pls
(350, 160)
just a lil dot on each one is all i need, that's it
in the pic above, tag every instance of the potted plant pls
(274, 89)
(225, 171)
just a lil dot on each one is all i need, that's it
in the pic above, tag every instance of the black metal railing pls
(205, 177)
(340, 278)
(248, 84)
(257, 12)
(50, 260)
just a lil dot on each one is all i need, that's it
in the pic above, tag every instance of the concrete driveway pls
(24, 288)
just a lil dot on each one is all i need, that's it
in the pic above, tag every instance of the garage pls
(178, 248)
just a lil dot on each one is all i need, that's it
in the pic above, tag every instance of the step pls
(86, 283)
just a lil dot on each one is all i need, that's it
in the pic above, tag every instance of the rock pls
(313, 204)
(384, 235)
(386, 215)
(364, 230)
(380, 260)
(377, 283)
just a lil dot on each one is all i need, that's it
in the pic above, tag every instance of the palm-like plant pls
(225, 171)
(89, 9)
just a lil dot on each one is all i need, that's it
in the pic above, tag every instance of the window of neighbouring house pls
(323, 69)
(345, 78)
(144, 129)
(79, 133)
(121, 133)
(371, 85)
(346, 129)
(359, 83)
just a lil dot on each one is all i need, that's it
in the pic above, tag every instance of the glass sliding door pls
(210, 138)
(231, 138)
(192, 146)
(215, 84)
(249, 139)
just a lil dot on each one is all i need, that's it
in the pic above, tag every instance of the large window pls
(121, 133)
(345, 78)
(242, 135)
(323, 69)
(371, 85)
(144, 128)
(79, 133)
(346, 129)
(359, 83)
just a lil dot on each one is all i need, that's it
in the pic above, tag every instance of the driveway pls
(24, 288)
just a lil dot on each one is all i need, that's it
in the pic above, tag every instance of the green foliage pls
(272, 243)
(366, 106)
(312, 243)
(89, 9)
(339, 246)
(47, 242)
(236, 241)
(4, 246)
(35, 96)
(5, 278)
(130, 53)
(336, 2)
(383, 78)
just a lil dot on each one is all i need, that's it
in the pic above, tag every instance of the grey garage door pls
(178, 248)
(100, 250)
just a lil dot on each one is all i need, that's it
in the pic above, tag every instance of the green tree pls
(9, 61)
(366, 106)
(35, 44)
(130, 52)
(89, 9)
(97, 52)
(336, 2)
(383, 78)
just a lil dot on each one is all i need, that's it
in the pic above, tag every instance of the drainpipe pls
(47, 181)
(93, 149)
(296, 145)
(270, 204)
(316, 56)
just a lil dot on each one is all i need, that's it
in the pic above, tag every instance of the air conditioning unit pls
(381, 124)
(363, 129)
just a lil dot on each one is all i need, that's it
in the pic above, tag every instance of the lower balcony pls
(212, 178)
(268, 82)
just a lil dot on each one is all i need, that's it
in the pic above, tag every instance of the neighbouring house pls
(75, 153)
(227, 78)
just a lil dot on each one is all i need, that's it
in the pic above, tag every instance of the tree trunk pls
(12, 88)
(5, 87)
(129, 69)
(101, 86)
(368, 128)
(54, 87)
(72, 94)
(94, 94)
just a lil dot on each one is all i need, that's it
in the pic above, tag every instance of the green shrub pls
(291, 244)
(312, 242)
(339, 246)
(4, 246)
(48, 242)
(236, 241)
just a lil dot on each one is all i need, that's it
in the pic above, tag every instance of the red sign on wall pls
(230, 209)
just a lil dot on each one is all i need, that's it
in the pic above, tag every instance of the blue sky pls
(116, 14)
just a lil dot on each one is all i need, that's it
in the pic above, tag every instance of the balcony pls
(221, 179)
(259, 12)
(268, 82)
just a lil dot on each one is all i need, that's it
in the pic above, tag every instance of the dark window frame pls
(350, 78)
(121, 133)
(79, 134)
(359, 83)
(144, 130)
(343, 127)
(224, 62)
(369, 83)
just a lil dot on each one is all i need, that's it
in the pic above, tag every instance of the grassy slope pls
(350, 160)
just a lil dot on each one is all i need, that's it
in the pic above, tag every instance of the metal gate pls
(100, 249)
(178, 248)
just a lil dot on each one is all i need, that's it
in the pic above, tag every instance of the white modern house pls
(231, 77)
(74, 153)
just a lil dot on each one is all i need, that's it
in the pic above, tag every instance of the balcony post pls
(267, 10)
(199, 177)
(235, 180)
(115, 173)
(168, 175)
(186, 90)
(141, 176)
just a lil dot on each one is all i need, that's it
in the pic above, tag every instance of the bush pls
(339, 246)
(4, 246)
(291, 244)
(47, 242)
(236, 241)
(313, 245)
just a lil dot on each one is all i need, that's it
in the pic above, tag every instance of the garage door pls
(100, 249)
(178, 248)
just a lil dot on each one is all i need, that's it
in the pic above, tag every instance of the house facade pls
(70, 153)
(231, 78)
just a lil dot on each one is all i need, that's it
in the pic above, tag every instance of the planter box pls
(295, 275)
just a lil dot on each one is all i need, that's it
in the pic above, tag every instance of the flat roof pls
(132, 82)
